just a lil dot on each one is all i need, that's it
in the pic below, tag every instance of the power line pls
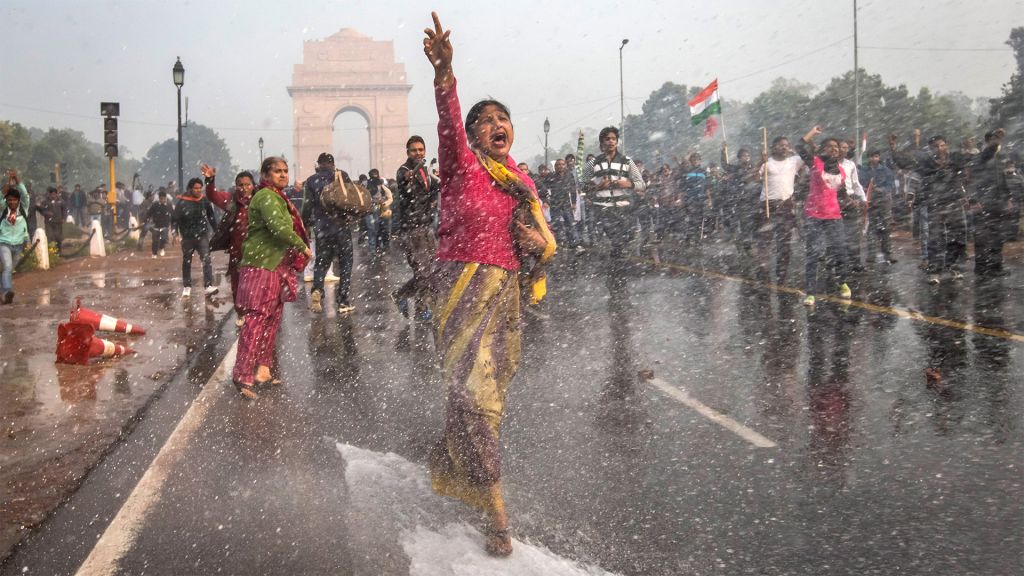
(914, 49)
(790, 61)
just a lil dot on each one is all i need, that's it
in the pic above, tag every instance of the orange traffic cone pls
(76, 345)
(102, 322)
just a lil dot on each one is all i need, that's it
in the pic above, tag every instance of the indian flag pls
(705, 104)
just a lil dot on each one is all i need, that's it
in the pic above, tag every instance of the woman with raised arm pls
(490, 219)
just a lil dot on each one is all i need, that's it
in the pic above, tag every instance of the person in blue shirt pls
(880, 183)
(13, 232)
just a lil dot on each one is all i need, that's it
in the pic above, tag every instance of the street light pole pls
(261, 151)
(856, 87)
(179, 81)
(622, 100)
(547, 128)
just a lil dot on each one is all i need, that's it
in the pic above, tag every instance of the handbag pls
(343, 198)
(221, 239)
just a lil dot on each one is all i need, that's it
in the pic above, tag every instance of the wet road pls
(871, 468)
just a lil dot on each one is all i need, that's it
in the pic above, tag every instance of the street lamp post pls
(547, 128)
(261, 151)
(179, 81)
(622, 100)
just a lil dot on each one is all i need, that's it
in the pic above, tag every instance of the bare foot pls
(499, 542)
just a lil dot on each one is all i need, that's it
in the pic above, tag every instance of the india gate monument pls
(349, 72)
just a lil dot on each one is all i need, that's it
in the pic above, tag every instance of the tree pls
(15, 146)
(784, 109)
(662, 130)
(1007, 111)
(200, 144)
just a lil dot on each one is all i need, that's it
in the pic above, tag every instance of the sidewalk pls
(58, 419)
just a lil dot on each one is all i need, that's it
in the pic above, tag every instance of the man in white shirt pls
(782, 168)
(853, 206)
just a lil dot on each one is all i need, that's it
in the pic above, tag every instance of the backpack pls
(345, 198)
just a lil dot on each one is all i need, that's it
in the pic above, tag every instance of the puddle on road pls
(396, 508)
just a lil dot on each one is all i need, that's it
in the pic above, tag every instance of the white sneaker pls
(162, 253)
(211, 290)
(154, 256)
(307, 278)
(186, 292)
(329, 278)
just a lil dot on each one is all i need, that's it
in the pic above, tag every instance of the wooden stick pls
(767, 209)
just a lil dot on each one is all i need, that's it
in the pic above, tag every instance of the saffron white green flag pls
(705, 104)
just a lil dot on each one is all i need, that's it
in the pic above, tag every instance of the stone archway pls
(349, 72)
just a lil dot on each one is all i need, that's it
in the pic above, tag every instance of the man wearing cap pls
(333, 237)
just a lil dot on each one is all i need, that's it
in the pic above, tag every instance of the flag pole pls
(721, 115)
(764, 179)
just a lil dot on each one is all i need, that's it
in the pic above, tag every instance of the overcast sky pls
(543, 58)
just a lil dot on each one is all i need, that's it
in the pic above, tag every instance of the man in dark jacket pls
(418, 191)
(333, 237)
(193, 218)
(158, 218)
(992, 203)
(562, 186)
(54, 213)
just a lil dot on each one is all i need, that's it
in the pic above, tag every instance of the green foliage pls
(1007, 111)
(34, 153)
(663, 129)
(15, 146)
(199, 144)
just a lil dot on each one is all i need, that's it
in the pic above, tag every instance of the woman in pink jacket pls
(475, 287)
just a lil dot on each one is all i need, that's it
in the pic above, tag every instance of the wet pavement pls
(60, 419)
(895, 425)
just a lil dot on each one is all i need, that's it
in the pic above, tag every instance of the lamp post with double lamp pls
(179, 81)
(622, 100)
(547, 128)
(261, 151)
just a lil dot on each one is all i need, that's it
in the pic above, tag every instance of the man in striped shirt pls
(611, 181)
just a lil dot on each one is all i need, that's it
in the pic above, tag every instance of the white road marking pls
(709, 413)
(120, 535)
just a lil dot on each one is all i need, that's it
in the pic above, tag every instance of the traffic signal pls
(110, 137)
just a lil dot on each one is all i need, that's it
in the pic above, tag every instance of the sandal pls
(498, 542)
(265, 384)
(246, 390)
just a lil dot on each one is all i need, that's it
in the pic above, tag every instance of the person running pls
(13, 232)
(417, 200)
(159, 217)
(193, 217)
(275, 248)
(333, 237)
(476, 289)
(236, 217)
(823, 225)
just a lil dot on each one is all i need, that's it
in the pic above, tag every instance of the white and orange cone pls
(103, 322)
(76, 344)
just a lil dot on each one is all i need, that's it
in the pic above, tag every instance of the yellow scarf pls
(510, 182)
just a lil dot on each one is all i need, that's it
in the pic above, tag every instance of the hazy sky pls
(543, 58)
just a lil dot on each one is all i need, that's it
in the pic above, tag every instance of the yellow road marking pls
(898, 312)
